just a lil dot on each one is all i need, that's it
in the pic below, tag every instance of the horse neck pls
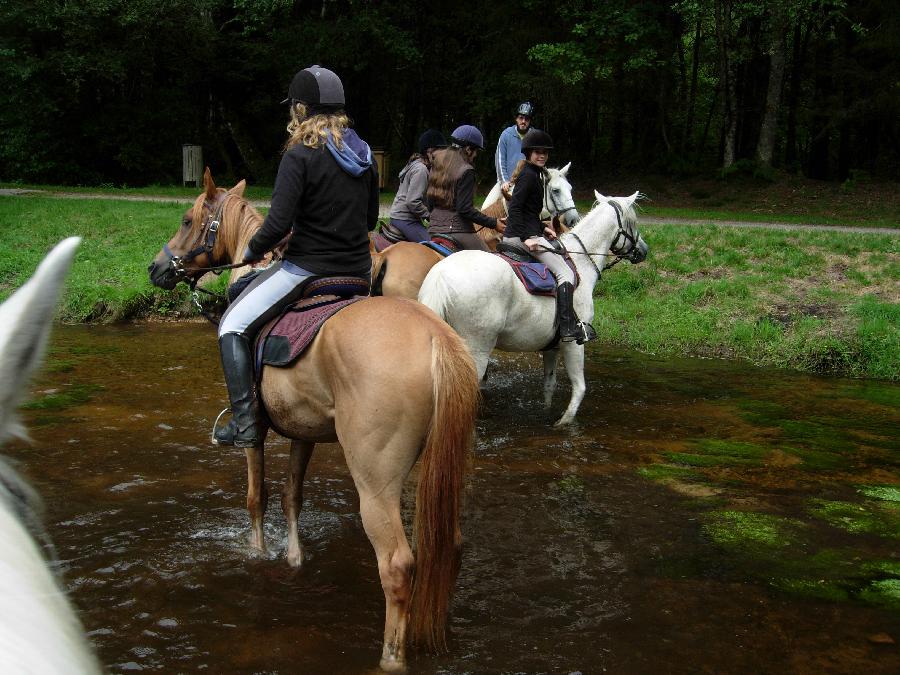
(596, 232)
(240, 221)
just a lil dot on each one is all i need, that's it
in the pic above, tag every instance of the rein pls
(618, 256)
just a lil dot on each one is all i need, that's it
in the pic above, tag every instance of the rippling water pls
(699, 517)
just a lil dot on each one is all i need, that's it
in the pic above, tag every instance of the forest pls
(101, 92)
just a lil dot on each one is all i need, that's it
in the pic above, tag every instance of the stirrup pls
(215, 426)
(587, 333)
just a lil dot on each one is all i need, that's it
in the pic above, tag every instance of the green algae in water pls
(818, 460)
(887, 493)
(819, 589)
(738, 450)
(862, 518)
(753, 533)
(666, 472)
(77, 394)
(719, 452)
(883, 592)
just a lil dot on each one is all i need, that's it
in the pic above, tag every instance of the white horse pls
(39, 630)
(558, 199)
(480, 296)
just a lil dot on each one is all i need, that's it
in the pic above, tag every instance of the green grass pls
(777, 298)
(814, 300)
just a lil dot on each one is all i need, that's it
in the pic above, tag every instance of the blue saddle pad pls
(434, 246)
(535, 276)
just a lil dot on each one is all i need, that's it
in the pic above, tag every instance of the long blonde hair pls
(313, 130)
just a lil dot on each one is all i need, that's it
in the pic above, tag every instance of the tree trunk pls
(766, 144)
(692, 96)
(726, 82)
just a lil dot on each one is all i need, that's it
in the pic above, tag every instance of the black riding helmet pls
(535, 139)
(432, 138)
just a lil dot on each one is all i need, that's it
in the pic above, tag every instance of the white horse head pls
(39, 631)
(482, 298)
(558, 200)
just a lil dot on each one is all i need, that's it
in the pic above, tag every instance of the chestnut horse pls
(405, 264)
(386, 379)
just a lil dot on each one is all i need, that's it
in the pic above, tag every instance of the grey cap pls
(317, 87)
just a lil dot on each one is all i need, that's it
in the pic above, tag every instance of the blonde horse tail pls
(444, 463)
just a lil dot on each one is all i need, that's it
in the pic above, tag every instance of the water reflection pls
(700, 515)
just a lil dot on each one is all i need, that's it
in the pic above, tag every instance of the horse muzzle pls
(639, 252)
(164, 274)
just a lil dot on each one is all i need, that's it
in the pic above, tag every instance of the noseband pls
(627, 238)
(206, 241)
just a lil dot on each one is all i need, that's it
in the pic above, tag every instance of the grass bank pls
(812, 300)
(817, 301)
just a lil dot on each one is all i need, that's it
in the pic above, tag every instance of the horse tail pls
(445, 460)
(379, 269)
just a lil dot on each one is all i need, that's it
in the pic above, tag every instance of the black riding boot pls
(242, 430)
(570, 328)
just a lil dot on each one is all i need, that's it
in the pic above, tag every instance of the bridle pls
(550, 200)
(619, 253)
(204, 243)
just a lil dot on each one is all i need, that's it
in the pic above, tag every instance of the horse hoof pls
(563, 421)
(391, 665)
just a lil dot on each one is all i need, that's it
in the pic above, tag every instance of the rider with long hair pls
(451, 191)
(409, 212)
(526, 230)
(326, 196)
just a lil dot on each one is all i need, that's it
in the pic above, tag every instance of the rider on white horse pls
(451, 189)
(525, 230)
(509, 147)
(409, 213)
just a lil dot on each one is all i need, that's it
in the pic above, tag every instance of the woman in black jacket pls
(526, 230)
(326, 196)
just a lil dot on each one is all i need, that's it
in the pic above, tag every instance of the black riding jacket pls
(328, 211)
(527, 203)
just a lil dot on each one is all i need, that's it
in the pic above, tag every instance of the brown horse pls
(386, 379)
(400, 268)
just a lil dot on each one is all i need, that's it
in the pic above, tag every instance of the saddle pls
(447, 241)
(535, 276)
(285, 338)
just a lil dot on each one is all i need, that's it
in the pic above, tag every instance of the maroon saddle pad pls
(283, 340)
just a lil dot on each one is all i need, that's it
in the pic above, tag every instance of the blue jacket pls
(509, 152)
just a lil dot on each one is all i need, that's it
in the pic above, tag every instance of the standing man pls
(509, 147)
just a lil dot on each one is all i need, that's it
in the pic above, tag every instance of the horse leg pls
(573, 357)
(292, 498)
(551, 358)
(381, 520)
(257, 495)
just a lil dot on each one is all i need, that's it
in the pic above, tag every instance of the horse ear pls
(25, 320)
(565, 169)
(633, 198)
(239, 188)
(208, 185)
(599, 197)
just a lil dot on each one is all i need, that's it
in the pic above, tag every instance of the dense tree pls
(102, 91)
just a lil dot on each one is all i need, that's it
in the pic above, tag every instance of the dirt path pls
(653, 220)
